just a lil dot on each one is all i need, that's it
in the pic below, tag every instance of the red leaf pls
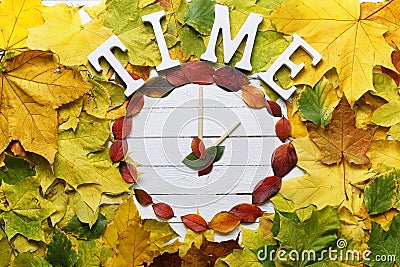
(128, 172)
(230, 79)
(253, 97)
(163, 210)
(122, 127)
(194, 222)
(206, 170)
(218, 249)
(118, 150)
(273, 108)
(135, 104)
(224, 222)
(283, 129)
(157, 87)
(266, 188)
(284, 159)
(248, 213)
(176, 77)
(198, 72)
(143, 197)
(198, 148)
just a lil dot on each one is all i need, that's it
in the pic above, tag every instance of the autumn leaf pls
(384, 154)
(323, 184)
(33, 86)
(83, 161)
(218, 249)
(265, 189)
(347, 39)
(26, 209)
(60, 251)
(224, 222)
(15, 19)
(283, 129)
(248, 213)
(64, 34)
(163, 210)
(341, 139)
(200, 15)
(317, 104)
(16, 170)
(253, 97)
(194, 222)
(273, 108)
(143, 197)
(196, 257)
(83, 231)
(231, 79)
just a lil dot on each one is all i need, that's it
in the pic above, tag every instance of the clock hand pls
(226, 134)
(198, 146)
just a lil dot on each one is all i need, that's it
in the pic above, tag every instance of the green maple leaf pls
(315, 233)
(16, 170)
(384, 243)
(200, 16)
(25, 209)
(60, 252)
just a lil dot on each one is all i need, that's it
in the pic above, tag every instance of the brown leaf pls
(266, 188)
(128, 172)
(341, 139)
(283, 129)
(198, 72)
(194, 222)
(118, 150)
(138, 72)
(163, 210)
(284, 159)
(198, 148)
(196, 257)
(167, 259)
(248, 213)
(17, 149)
(230, 79)
(396, 62)
(157, 87)
(135, 104)
(253, 96)
(176, 77)
(273, 108)
(122, 127)
(218, 249)
(143, 197)
(224, 222)
(206, 170)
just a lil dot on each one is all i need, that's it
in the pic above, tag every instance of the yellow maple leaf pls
(323, 185)
(65, 35)
(127, 238)
(385, 13)
(15, 17)
(33, 85)
(350, 43)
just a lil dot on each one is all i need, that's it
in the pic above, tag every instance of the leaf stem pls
(344, 178)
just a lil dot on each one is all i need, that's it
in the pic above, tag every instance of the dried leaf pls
(118, 150)
(199, 72)
(194, 222)
(341, 139)
(143, 197)
(254, 97)
(283, 129)
(135, 104)
(230, 79)
(265, 189)
(138, 72)
(177, 77)
(200, 16)
(128, 172)
(213, 154)
(166, 259)
(196, 257)
(198, 148)
(224, 222)
(248, 213)
(60, 251)
(218, 249)
(273, 108)
(284, 159)
(157, 87)
(205, 171)
(122, 127)
(163, 210)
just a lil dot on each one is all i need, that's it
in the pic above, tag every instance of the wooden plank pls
(171, 151)
(222, 180)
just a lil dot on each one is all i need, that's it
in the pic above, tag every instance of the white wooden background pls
(161, 137)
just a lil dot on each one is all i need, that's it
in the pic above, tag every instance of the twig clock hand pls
(198, 146)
